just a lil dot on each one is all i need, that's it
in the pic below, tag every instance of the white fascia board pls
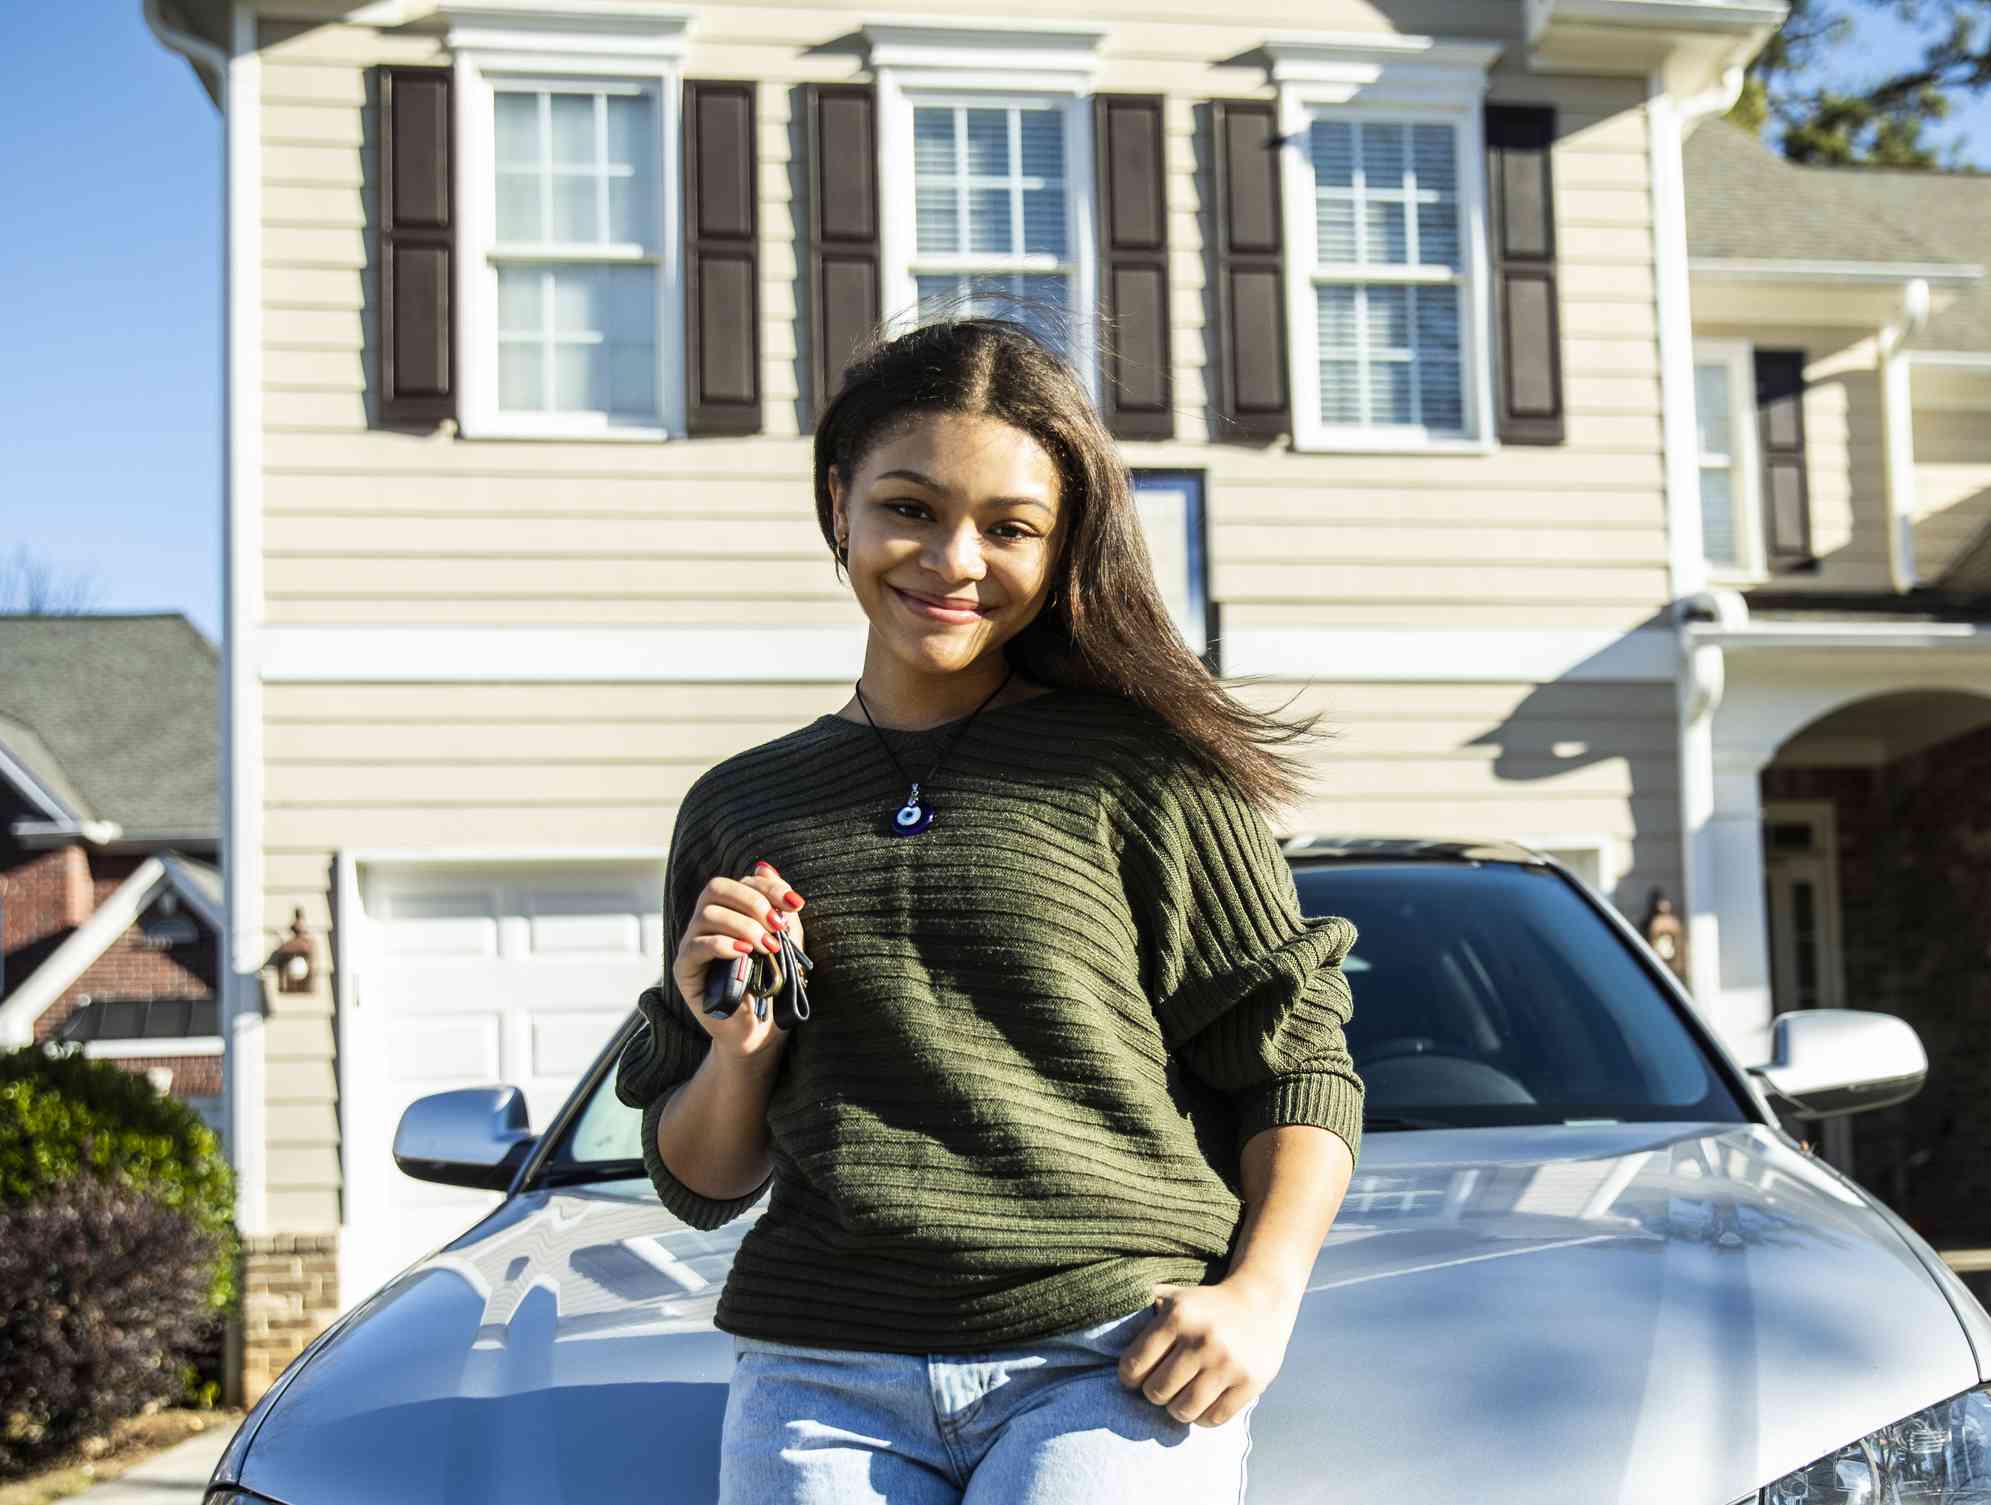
(1958, 360)
(1389, 66)
(72, 958)
(572, 30)
(1069, 50)
(1947, 637)
(151, 1049)
(1725, 269)
(216, 917)
(1663, 15)
(823, 655)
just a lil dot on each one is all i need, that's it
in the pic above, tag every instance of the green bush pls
(64, 1117)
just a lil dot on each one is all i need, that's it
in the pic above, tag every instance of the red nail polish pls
(745, 946)
(792, 899)
(774, 943)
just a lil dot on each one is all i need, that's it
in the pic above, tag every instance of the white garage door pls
(469, 978)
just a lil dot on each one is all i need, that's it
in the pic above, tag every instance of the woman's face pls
(958, 510)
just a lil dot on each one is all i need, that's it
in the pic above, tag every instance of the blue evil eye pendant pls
(912, 817)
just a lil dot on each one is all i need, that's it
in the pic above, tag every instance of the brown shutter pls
(417, 249)
(1248, 344)
(722, 259)
(1137, 392)
(1780, 427)
(840, 122)
(1527, 329)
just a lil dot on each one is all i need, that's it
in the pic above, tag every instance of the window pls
(1387, 275)
(992, 207)
(1170, 506)
(576, 250)
(1384, 192)
(985, 165)
(1725, 430)
(569, 283)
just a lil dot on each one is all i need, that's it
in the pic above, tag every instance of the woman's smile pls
(932, 609)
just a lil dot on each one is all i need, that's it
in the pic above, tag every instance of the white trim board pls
(152, 1048)
(835, 655)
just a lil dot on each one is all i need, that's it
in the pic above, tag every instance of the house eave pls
(1685, 45)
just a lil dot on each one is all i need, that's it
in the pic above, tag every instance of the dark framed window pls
(1174, 522)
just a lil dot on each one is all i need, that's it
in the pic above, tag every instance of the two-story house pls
(530, 307)
(1837, 685)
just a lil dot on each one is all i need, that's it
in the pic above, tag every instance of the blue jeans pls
(1045, 1423)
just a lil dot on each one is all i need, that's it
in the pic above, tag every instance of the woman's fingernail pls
(792, 899)
(774, 943)
(745, 946)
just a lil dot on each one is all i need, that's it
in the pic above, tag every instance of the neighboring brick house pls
(1838, 682)
(532, 303)
(110, 897)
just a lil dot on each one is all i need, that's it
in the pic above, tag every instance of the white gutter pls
(1898, 432)
(1698, 682)
(235, 73)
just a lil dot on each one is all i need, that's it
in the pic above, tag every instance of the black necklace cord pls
(916, 787)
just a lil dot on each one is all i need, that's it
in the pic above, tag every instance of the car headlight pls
(1939, 1456)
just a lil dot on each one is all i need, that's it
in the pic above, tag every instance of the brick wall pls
(290, 1293)
(130, 967)
(1915, 885)
(193, 1076)
(43, 897)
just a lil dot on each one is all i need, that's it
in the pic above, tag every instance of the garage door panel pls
(455, 1050)
(443, 923)
(563, 1047)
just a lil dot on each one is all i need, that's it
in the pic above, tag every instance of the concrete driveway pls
(177, 1476)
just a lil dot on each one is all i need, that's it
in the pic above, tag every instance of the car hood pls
(1628, 1313)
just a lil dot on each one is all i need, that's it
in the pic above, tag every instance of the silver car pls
(1580, 1261)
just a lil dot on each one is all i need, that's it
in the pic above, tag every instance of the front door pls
(1801, 867)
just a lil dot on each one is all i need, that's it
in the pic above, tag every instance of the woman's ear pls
(837, 522)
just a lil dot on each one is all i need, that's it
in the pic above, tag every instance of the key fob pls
(726, 986)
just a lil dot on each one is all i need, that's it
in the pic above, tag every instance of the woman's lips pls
(920, 606)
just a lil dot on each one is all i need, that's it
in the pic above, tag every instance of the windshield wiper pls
(1386, 1123)
(585, 1172)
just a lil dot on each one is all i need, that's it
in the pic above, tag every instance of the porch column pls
(1740, 1009)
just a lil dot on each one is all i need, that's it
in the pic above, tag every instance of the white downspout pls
(1898, 431)
(233, 76)
(1699, 674)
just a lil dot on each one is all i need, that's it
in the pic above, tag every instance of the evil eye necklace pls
(916, 814)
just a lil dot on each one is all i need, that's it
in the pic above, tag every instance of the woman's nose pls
(957, 554)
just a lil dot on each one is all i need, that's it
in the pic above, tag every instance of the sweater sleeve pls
(1248, 992)
(669, 1044)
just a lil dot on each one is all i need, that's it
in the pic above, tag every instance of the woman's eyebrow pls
(919, 478)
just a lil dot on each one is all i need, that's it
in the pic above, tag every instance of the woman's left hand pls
(1210, 1351)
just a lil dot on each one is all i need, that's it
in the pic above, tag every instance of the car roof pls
(1332, 848)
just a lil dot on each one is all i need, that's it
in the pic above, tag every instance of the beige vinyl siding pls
(1952, 485)
(503, 767)
(366, 526)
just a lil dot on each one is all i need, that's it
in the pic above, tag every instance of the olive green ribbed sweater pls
(1042, 1028)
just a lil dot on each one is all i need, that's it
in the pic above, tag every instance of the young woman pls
(1052, 1157)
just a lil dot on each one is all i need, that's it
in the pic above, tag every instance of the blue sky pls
(112, 395)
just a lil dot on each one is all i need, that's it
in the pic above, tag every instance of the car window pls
(1494, 994)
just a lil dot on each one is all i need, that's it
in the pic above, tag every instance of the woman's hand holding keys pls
(733, 918)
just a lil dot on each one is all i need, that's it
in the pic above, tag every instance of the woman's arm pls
(712, 1134)
(1211, 1350)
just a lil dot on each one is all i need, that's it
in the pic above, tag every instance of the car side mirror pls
(471, 1136)
(1825, 1062)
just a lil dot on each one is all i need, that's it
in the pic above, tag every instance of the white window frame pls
(1744, 461)
(1391, 80)
(986, 67)
(643, 49)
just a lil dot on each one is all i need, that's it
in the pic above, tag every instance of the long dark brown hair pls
(1103, 625)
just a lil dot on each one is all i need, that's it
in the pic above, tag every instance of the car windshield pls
(1491, 993)
(1484, 994)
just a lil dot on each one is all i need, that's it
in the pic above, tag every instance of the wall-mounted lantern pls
(1665, 934)
(295, 960)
